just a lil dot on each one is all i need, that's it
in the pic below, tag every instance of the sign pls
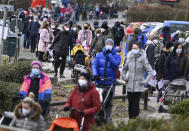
(9, 8)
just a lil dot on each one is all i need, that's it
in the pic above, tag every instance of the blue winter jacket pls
(98, 66)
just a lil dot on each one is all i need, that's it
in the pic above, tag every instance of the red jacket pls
(92, 100)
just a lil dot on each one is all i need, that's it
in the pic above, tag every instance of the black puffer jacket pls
(62, 42)
(160, 65)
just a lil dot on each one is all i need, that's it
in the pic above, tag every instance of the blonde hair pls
(44, 25)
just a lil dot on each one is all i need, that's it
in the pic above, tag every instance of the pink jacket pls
(46, 38)
(85, 35)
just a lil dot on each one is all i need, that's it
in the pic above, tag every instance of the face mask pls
(74, 29)
(35, 71)
(155, 42)
(85, 27)
(25, 111)
(30, 20)
(53, 26)
(134, 51)
(98, 35)
(102, 30)
(108, 47)
(178, 51)
(67, 29)
(82, 85)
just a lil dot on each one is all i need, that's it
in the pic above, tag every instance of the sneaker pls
(61, 76)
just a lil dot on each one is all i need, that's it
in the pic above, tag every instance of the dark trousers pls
(40, 55)
(59, 61)
(33, 43)
(109, 104)
(134, 99)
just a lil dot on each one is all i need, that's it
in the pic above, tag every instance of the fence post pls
(146, 99)
(124, 92)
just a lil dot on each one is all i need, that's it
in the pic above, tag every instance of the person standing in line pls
(133, 73)
(60, 46)
(46, 38)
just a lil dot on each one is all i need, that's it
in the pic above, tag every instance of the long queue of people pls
(161, 59)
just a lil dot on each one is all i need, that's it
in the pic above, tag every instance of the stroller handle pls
(106, 79)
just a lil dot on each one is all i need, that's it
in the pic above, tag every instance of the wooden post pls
(146, 99)
(124, 92)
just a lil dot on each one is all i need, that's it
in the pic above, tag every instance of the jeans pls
(134, 99)
(26, 41)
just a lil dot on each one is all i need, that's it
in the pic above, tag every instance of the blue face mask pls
(134, 51)
(35, 71)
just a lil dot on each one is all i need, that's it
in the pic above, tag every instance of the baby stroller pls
(78, 58)
(66, 124)
(175, 91)
(104, 92)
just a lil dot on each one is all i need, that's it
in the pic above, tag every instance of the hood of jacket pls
(34, 115)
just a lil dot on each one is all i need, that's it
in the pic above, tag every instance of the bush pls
(181, 108)
(178, 124)
(6, 92)
(14, 72)
(145, 13)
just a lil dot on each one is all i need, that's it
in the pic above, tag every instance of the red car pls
(129, 29)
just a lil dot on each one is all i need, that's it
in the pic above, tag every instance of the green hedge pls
(157, 14)
(181, 108)
(178, 124)
(7, 90)
(15, 72)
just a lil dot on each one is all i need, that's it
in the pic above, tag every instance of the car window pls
(181, 27)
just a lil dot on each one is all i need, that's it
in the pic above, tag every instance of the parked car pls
(129, 29)
(177, 25)
(169, 2)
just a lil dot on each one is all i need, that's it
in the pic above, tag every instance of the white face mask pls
(98, 35)
(67, 29)
(103, 30)
(25, 111)
(53, 26)
(108, 47)
(74, 29)
(82, 82)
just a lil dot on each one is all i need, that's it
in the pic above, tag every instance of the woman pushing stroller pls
(86, 99)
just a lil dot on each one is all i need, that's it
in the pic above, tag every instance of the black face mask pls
(85, 27)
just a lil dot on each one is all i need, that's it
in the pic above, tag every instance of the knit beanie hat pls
(36, 63)
(109, 40)
(86, 74)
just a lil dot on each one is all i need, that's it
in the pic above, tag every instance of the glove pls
(17, 97)
(66, 108)
(108, 51)
(96, 78)
(81, 113)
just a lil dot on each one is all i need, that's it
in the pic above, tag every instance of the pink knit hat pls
(36, 63)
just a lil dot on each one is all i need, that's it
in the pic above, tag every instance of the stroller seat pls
(64, 124)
